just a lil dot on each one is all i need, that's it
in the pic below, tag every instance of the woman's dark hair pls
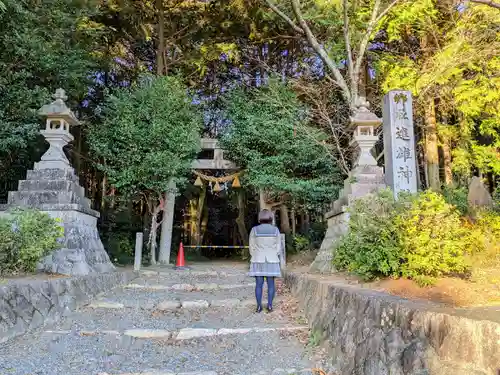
(265, 217)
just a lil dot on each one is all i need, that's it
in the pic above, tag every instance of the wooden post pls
(139, 239)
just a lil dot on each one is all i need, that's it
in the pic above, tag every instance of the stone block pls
(52, 174)
(193, 305)
(234, 331)
(185, 287)
(106, 305)
(210, 286)
(478, 195)
(168, 305)
(148, 333)
(226, 303)
(192, 333)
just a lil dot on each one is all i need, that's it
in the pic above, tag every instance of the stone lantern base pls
(362, 181)
(57, 192)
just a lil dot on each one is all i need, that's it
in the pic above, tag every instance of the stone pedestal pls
(53, 187)
(365, 178)
(57, 192)
(361, 182)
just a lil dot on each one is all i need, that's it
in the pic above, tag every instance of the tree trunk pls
(160, 53)
(294, 222)
(167, 224)
(154, 211)
(448, 174)
(262, 200)
(103, 192)
(204, 223)
(198, 237)
(431, 146)
(153, 233)
(285, 219)
(305, 223)
(192, 221)
(240, 222)
(113, 198)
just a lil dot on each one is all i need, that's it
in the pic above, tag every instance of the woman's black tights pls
(259, 286)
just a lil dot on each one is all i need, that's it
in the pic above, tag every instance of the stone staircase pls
(198, 322)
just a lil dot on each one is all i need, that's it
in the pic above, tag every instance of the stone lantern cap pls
(58, 109)
(363, 116)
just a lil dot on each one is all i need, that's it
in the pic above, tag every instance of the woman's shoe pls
(259, 309)
(269, 309)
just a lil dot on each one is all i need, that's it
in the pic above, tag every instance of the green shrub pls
(418, 236)
(432, 237)
(301, 243)
(496, 199)
(371, 248)
(316, 233)
(457, 197)
(120, 247)
(26, 236)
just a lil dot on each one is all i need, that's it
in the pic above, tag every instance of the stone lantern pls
(364, 178)
(59, 118)
(53, 187)
(365, 124)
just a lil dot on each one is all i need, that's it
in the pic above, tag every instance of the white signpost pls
(399, 142)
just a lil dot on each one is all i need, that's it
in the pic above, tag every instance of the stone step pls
(36, 198)
(180, 335)
(188, 273)
(367, 170)
(87, 352)
(176, 304)
(52, 174)
(277, 371)
(51, 185)
(146, 299)
(116, 315)
(364, 179)
(189, 287)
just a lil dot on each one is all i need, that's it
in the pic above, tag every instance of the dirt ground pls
(448, 291)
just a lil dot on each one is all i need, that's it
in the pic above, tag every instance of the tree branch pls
(347, 39)
(490, 3)
(375, 19)
(366, 38)
(313, 42)
(276, 10)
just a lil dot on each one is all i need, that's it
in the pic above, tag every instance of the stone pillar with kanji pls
(53, 187)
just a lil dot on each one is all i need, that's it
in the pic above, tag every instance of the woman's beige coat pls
(265, 244)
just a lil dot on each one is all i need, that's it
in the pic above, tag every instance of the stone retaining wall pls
(372, 333)
(26, 305)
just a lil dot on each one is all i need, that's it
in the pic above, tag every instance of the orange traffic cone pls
(180, 264)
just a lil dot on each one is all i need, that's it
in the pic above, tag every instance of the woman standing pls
(265, 249)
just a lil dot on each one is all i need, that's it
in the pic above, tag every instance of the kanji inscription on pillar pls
(399, 142)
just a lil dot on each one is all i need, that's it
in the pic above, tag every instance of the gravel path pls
(98, 340)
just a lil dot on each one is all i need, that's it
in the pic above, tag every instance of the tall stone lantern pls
(59, 118)
(53, 187)
(365, 124)
(364, 178)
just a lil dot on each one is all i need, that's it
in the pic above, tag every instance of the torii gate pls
(217, 162)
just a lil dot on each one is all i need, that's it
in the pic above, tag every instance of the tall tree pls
(455, 78)
(44, 45)
(149, 136)
(280, 154)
